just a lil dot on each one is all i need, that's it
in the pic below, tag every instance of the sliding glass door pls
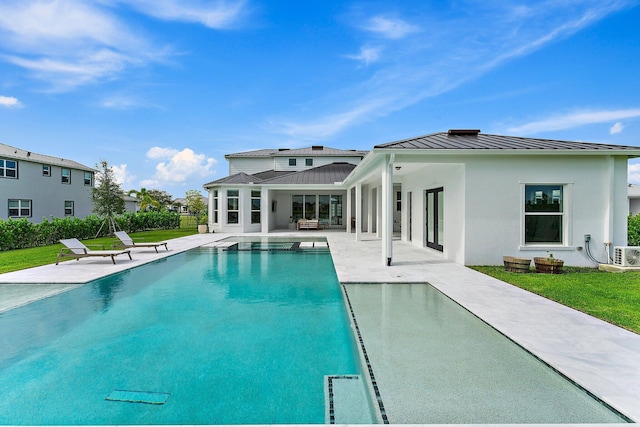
(435, 218)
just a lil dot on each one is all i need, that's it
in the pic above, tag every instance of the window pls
(215, 206)
(46, 170)
(19, 208)
(66, 176)
(308, 162)
(233, 205)
(8, 168)
(88, 179)
(68, 208)
(398, 201)
(292, 162)
(255, 207)
(543, 213)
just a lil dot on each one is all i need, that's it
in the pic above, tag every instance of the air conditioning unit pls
(626, 256)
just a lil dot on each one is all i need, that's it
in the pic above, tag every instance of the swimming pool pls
(202, 337)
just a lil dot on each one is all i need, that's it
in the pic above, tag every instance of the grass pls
(20, 259)
(612, 297)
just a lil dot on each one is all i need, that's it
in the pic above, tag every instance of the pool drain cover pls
(150, 397)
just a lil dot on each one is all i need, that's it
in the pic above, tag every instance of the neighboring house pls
(36, 186)
(633, 192)
(269, 189)
(467, 197)
(131, 204)
(180, 204)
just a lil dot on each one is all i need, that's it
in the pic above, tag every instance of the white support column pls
(265, 210)
(379, 211)
(348, 219)
(210, 209)
(358, 210)
(370, 211)
(387, 210)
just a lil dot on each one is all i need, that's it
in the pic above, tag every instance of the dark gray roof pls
(270, 174)
(315, 150)
(10, 152)
(327, 174)
(481, 141)
(238, 178)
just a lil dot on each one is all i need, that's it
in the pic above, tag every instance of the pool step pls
(346, 401)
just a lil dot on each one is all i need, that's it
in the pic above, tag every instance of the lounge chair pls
(75, 249)
(127, 242)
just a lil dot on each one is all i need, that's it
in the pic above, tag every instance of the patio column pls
(358, 210)
(370, 211)
(387, 210)
(379, 211)
(210, 209)
(348, 218)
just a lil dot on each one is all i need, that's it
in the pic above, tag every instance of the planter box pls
(202, 228)
(516, 265)
(548, 265)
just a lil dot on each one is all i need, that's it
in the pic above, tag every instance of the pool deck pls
(598, 356)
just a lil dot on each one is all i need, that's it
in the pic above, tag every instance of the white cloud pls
(573, 120)
(633, 173)
(616, 128)
(70, 43)
(179, 166)
(390, 28)
(9, 102)
(122, 176)
(217, 14)
(367, 54)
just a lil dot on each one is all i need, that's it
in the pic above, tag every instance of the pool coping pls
(600, 357)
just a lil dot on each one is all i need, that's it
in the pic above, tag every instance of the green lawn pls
(20, 259)
(613, 297)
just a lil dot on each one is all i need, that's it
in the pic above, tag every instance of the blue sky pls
(163, 89)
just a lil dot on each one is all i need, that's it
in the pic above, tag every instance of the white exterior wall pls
(495, 206)
(250, 165)
(429, 176)
(282, 163)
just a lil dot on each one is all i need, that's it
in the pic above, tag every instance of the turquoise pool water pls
(220, 337)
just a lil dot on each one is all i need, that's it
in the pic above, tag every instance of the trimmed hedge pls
(20, 233)
(633, 230)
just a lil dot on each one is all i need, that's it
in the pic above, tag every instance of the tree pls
(161, 197)
(107, 195)
(195, 205)
(145, 199)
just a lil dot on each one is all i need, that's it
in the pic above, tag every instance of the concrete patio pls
(602, 358)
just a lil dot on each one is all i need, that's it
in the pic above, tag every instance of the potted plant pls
(548, 264)
(516, 265)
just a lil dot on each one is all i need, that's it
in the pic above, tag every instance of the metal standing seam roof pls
(480, 141)
(308, 151)
(14, 153)
(321, 175)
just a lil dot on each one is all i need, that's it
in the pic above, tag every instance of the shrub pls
(20, 233)
(633, 230)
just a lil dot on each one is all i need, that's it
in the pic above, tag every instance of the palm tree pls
(145, 200)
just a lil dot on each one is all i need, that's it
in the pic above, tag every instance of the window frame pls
(20, 208)
(293, 161)
(564, 214)
(256, 209)
(4, 168)
(308, 162)
(62, 176)
(236, 208)
(46, 171)
(90, 181)
(69, 208)
(215, 207)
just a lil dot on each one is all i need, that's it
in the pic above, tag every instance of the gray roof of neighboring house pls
(474, 140)
(326, 174)
(10, 152)
(315, 150)
(633, 191)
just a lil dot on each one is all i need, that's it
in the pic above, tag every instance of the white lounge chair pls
(127, 242)
(75, 249)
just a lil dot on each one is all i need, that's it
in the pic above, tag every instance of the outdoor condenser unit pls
(626, 256)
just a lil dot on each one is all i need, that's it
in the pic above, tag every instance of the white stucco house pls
(463, 195)
(37, 186)
(633, 192)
